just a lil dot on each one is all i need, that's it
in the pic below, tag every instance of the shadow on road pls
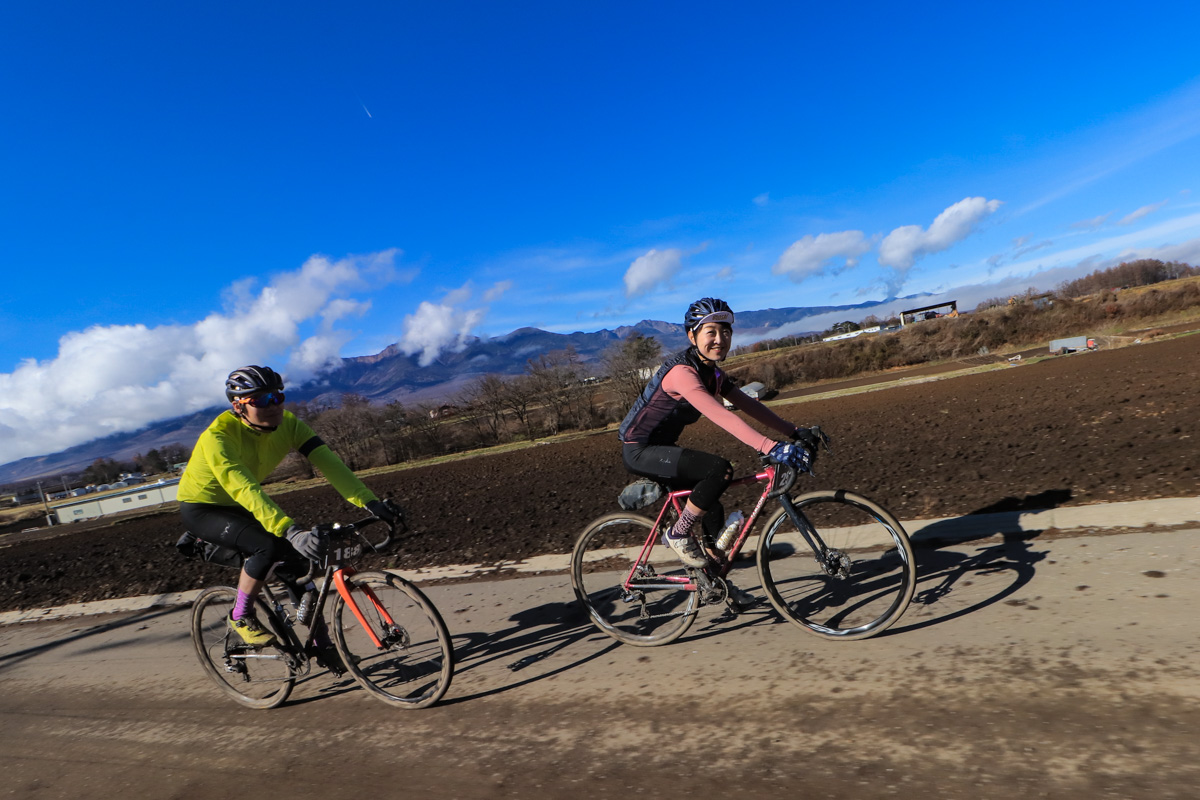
(9, 660)
(536, 634)
(952, 583)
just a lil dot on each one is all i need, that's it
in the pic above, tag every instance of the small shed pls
(756, 390)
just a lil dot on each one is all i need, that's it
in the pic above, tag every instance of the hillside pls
(391, 375)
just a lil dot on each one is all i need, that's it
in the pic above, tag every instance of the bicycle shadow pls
(952, 583)
(141, 618)
(538, 633)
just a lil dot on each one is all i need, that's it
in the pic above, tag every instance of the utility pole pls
(45, 504)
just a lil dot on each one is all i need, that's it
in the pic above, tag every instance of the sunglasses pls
(263, 400)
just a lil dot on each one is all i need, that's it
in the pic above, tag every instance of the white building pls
(142, 497)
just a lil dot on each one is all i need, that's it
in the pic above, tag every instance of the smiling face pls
(712, 340)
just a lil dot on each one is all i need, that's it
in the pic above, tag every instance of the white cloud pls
(1187, 252)
(652, 269)
(497, 291)
(118, 378)
(902, 247)
(763, 199)
(812, 255)
(1091, 224)
(436, 327)
(1134, 216)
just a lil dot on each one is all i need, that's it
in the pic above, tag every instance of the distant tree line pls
(990, 328)
(108, 470)
(557, 392)
(1143, 272)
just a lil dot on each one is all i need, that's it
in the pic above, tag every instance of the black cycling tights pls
(236, 528)
(679, 468)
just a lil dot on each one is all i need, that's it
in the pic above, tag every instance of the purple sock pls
(683, 526)
(243, 605)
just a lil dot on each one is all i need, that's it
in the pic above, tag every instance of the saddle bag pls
(639, 494)
(192, 548)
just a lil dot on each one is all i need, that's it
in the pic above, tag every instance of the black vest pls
(658, 418)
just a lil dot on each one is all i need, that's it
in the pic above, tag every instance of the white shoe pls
(688, 550)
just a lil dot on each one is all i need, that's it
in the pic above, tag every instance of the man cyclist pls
(223, 502)
(683, 389)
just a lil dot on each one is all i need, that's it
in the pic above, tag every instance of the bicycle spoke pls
(655, 608)
(254, 677)
(412, 665)
(858, 581)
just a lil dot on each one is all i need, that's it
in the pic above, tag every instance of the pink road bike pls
(833, 562)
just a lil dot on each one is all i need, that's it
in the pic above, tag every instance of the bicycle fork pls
(393, 634)
(834, 562)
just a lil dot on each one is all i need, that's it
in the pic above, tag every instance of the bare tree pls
(518, 398)
(627, 363)
(427, 424)
(486, 398)
(556, 378)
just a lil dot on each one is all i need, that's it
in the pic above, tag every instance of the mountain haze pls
(394, 376)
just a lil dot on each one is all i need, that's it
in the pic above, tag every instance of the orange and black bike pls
(833, 562)
(389, 636)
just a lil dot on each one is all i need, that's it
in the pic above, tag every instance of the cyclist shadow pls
(953, 581)
(537, 634)
(134, 624)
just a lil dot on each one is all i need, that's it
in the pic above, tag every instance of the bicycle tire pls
(415, 665)
(860, 590)
(255, 677)
(603, 556)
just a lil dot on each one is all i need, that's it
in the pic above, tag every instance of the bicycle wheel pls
(858, 585)
(258, 677)
(413, 665)
(651, 613)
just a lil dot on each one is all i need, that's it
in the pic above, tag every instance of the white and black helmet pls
(707, 309)
(251, 380)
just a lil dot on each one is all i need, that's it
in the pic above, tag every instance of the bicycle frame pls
(335, 575)
(724, 560)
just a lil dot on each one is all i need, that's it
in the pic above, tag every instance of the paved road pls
(1032, 666)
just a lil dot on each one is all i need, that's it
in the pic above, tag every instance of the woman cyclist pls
(683, 389)
(222, 499)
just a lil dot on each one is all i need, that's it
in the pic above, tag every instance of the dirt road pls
(1042, 666)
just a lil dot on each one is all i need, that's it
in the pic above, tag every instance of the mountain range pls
(393, 375)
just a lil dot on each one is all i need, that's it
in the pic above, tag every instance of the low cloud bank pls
(119, 378)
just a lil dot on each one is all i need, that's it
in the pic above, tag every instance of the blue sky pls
(183, 190)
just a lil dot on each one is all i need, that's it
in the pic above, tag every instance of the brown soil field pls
(1070, 430)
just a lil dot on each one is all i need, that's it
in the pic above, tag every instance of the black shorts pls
(708, 476)
(236, 528)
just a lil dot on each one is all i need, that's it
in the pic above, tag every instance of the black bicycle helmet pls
(248, 381)
(707, 309)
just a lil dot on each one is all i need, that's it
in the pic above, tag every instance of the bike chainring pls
(712, 589)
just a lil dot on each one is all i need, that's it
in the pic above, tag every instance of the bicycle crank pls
(712, 590)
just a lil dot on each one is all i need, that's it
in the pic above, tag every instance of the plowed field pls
(1090, 427)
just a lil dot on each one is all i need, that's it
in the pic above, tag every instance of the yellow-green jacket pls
(231, 459)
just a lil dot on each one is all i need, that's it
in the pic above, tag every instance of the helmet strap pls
(240, 414)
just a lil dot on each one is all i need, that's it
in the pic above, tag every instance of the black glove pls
(806, 437)
(387, 511)
(307, 542)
